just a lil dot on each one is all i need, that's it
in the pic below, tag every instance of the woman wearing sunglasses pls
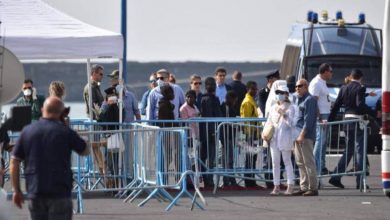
(282, 115)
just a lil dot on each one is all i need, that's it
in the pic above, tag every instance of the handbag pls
(268, 130)
(115, 142)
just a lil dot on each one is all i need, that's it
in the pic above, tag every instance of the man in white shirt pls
(319, 90)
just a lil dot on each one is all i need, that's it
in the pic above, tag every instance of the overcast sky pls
(211, 30)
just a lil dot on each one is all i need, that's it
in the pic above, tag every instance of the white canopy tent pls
(35, 30)
(32, 29)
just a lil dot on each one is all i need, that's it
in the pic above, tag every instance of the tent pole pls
(121, 82)
(89, 90)
(121, 118)
(124, 35)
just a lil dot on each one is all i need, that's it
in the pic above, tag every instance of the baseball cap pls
(114, 74)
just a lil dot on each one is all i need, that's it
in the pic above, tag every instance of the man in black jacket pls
(221, 87)
(264, 92)
(261, 102)
(227, 136)
(352, 98)
(210, 107)
(239, 88)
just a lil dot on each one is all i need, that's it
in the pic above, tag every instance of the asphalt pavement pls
(332, 203)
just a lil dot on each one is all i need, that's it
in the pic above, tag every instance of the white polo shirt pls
(318, 87)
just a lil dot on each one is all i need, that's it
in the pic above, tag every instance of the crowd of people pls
(293, 110)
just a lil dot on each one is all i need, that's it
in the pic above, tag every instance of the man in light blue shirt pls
(155, 96)
(130, 105)
(222, 88)
(303, 150)
(144, 100)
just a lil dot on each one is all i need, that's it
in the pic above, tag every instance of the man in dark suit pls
(261, 102)
(264, 92)
(222, 88)
(239, 89)
(352, 98)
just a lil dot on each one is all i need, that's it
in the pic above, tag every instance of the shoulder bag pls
(269, 129)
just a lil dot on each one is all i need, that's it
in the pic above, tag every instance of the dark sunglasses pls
(197, 83)
(152, 81)
(161, 77)
(27, 88)
(299, 86)
(278, 92)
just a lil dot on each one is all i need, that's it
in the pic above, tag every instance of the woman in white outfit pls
(283, 116)
(272, 96)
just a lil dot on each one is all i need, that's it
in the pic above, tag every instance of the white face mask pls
(160, 82)
(113, 99)
(280, 98)
(27, 92)
(118, 88)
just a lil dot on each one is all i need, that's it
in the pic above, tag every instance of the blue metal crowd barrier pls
(162, 154)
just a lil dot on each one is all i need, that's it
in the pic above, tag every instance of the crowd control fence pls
(156, 158)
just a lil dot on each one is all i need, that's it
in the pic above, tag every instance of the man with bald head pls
(45, 146)
(303, 150)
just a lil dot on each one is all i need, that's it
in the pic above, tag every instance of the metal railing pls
(136, 158)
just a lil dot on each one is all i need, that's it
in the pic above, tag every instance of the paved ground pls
(332, 204)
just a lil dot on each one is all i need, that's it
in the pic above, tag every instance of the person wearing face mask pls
(110, 113)
(130, 103)
(155, 95)
(283, 116)
(30, 97)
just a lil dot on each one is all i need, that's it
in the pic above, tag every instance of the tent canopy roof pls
(35, 30)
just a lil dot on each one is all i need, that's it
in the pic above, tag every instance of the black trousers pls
(207, 156)
(50, 209)
(250, 163)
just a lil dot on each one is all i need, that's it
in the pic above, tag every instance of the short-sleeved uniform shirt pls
(45, 146)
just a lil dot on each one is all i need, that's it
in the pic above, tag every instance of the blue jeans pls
(320, 144)
(352, 149)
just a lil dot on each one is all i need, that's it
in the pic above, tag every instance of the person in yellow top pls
(248, 109)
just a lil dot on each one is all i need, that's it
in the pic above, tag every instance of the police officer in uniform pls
(264, 92)
(352, 98)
